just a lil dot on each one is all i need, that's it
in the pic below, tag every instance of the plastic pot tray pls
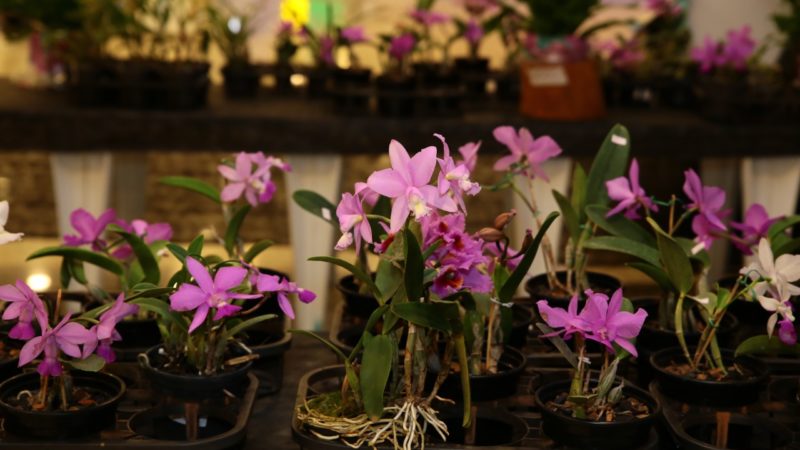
(223, 423)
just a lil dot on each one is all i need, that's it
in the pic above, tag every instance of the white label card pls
(326, 213)
(548, 76)
(619, 140)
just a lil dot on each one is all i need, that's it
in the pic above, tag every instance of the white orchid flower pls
(779, 274)
(5, 236)
(777, 308)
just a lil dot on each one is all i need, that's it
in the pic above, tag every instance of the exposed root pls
(402, 426)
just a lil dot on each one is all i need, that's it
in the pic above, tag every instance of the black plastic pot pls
(744, 432)
(137, 335)
(270, 348)
(474, 73)
(586, 434)
(724, 101)
(522, 316)
(488, 387)
(709, 392)
(507, 85)
(242, 80)
(395, 96)
(61, 424)
(192, 387)
(319, 82)
(537, 288)
(356, 303)
(351, 91)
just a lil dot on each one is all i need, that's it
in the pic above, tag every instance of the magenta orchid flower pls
(608, 324)
(706, 55)
(326, 47)
(754, 227)
(105, 331)
(353, 35)
(283, 288)
(209, 293)
(454, 178)
(255, 183)
(369, 196)
(5, 236)
(469, 154)
(400, 46)
(525, 149)
(66, 336)
(150, 233)
(407, 183)
(705, 233)
(353, 222)
(25, 306)
(708, 200)
(629, 193)
(473, 32)
(738, 48)
(786, 332)
(428, 18)
(89, 229)
(458, 259)
(569, 321)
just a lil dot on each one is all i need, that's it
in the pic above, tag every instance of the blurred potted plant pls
(560, 81)
(789, 26)
(474, 70)
(231, 31)
(286, 46)
(396, 86)
(351, 86)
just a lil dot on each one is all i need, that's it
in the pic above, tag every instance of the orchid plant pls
(427, 22)
(428, 272)
(725, 59)
(524, 165)
(398, 49)
(60, 344)
(286, 43)
(608, 321)
(478, 23)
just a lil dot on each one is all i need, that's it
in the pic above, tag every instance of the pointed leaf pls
(764, 345)
(64, 273)
(619, 225)
(782, 225)
(196, 246)
(438, 316)
(610, 162)
(466, 396)
(559, 343)
(511, 285)
(148, 263)
(624, 245)
(413, 273)
(569, 216)
(578, 194)
(179, 252)
(655, 273)
(91, 364)
(93, 258)
(316, 205)
(194, 185)
(245, 324)
(674, 260)
(256, 249)
(357, 272)
(232, 231)
(376, 364)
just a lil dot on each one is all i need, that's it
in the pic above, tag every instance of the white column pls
(81, 180)
(560, 172)
(773, 182)
(309, 235)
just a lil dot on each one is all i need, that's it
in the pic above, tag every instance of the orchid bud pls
(527, 242)
(502, 221)
(490, 234)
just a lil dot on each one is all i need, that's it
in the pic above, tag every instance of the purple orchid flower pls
(608, 324)
(283, 288)
(454, 178)
(369, 196)
(256, 185)
(458, 258)
(209, 293)
(427, 18)
(629, 193)
(353, 222)
(705, 233)
(525, 149)
(706, 55)
(353, 35)
(407, 183)
(755, 226)
(569, 320)
(708, 200)
(326, 47)
(89, 229)
(473, 32)
(469, 154)
(25, 306)
(66, 336)
(738, 48)
(786, 332)
(400, 46)
(105, 331)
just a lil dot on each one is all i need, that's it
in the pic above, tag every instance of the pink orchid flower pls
(525, 149)
(25, 307)
(473, 32)
(353, 222)
(608, 324)
(283, 288)
(66, 336)
(400, 46)
(569, 320)
(705, 233)
(469, 154)
(786, 332)
(706, 55)
(454, 178)
(353, 35)
(407, 183)
(754, 227)
(255, 183)
(89, 229)
(369, 196)
(629, 193)
(738, 48)
(105, 331)
(150, 233)
(209, 293)
(708, 200)
(427, 17)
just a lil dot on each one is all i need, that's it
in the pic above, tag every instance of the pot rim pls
(114, 399)
(514, 370)
(753, 363)
(144, 362)
(629, 388)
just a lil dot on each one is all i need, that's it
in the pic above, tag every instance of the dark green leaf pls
(413, 272)
(82, 255)
(376, 364)
(152, 292)
(618, 225)
(64, 273)
(232, 231)
(317, 205)
(256, 249)
(790, 247)
(388, 279)
(559, 343)
(163, 309)
(245, 324)
(196, 246)
(764, 345)
(511, 285)
(569, 216)
(655, 273)
(147, 261)
(625, 246)
(358, 273)
(782, 225)
(687, 245)
(610, 162)
(466, 396)
(321, 339)
(77, 271)
(438, 316)
(194, 185)
(674, 260)
(93, 363)
(179, 252)
(578, 195)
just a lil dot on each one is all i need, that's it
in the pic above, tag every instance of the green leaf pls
(232, 231)
(148, 263)
(413, 272)
(559, 343)
(437, 316)
(245, 324)
(687, 245)
(92, 363)
(789, 247)
(324, 341)
(625, 246)
(373, 320)
(764, 345)
(466, 396)
(569, 215)
(509, 289)
(64, 273)
(193, 184)
(656, 273)
(163, 309)
(578, 195)
(316, 205)
(196, 246)
(179, 252)
(357, 272)
(376, 364)
(619, 226)
(388, 279)
(607, 381)
(82, 255)
(673, 260)
(610, 162)
(782, 225)
(152, 292)
(77, 271)
(256, 249)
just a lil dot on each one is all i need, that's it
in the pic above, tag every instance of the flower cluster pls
(401, 46)
(601, 320)
(90, 232)
(733, 53)
(630, 194)
(527, 154)
(251, 176)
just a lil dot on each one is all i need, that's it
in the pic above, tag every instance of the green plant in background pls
(231, 29)
(557, 19)
(789, 25)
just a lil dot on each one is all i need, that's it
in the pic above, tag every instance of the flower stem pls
(679, 328)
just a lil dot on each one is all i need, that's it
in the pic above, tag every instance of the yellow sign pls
(296, 11)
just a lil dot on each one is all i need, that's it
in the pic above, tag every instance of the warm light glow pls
(298, 80)
(343, 59)
(296, 11)
(39, 281)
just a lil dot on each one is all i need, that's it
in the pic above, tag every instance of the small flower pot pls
(507, 85)
(538, 289)
(744, 432)
(474, 73)
(242, 80)
(61, 424)
(356, 303)
(395, 96)
(192, 387)
(586, 434)
(137, 335)
(488, 387)
(734, 392)
(521, 319)
(319, 82)
(568, 91)
(722, 101)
